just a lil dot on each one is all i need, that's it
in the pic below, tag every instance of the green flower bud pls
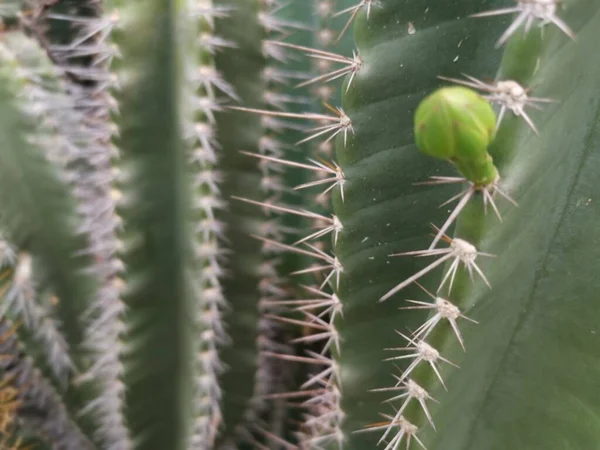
(454, 123)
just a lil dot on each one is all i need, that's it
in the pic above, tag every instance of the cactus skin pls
(243, 68)
(382, 165)
(529, 310)
(149, 294)
(520, 313)
(155, 206)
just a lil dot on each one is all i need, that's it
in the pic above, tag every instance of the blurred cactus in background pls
(215, 224)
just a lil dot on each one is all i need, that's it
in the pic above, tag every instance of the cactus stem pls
(488, 192)
(509, 94)
(326, 168)
(421, 351)
(351, 65)
(528, 11)
(460, 250)
(343, 125)
(209, 250)
(321, 423)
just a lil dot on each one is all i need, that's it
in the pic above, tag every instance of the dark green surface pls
(384, 212)
(242, 68)
(155, 210)
(527, 380)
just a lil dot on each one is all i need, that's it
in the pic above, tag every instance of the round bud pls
(454, 123)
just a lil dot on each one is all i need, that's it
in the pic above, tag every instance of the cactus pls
(501, 374)
(215, 217)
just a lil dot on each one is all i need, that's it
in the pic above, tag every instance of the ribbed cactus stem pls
(61, 136)
(93, 184)
(274, 377)
(204, 101)
(269, 375)
(251, 330)
(380, 172)
(155, 197)
(473, 226)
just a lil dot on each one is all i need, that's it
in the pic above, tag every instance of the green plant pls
(157, 293)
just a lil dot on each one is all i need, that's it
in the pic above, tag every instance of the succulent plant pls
(215, 219)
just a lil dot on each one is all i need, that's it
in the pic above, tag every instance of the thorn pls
(338, 178)
(341, 122)
(528, 11)
(487, 191)
(354, 10)
(318, 360)
(460, 251)
(410, 390)
(351, 65)
(334, 225)
(444, 310)
(420, 351)
(405, 430)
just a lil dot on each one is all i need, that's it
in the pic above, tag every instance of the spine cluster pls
(94, 186)
(208, 90)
